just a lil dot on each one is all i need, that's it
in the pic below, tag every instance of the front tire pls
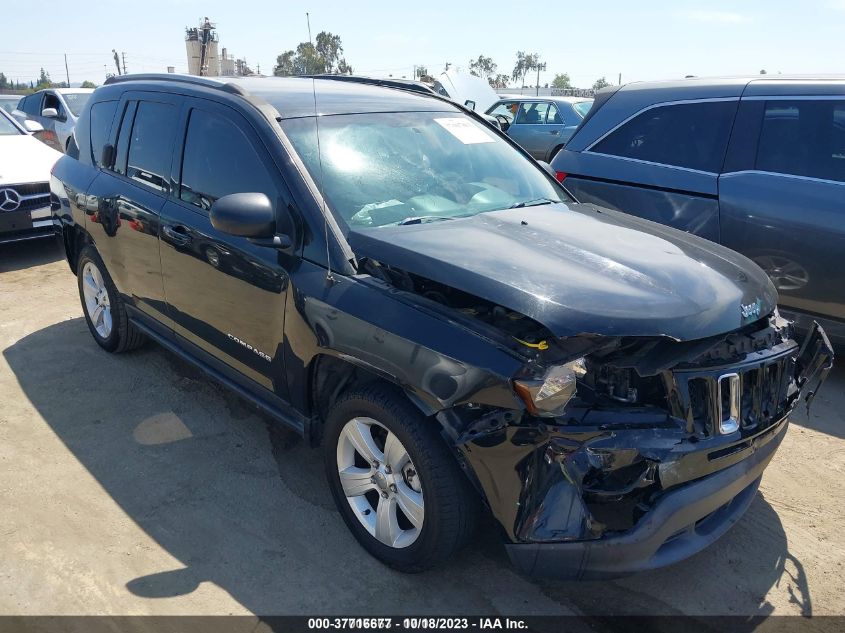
(104, 310)
(400, 492)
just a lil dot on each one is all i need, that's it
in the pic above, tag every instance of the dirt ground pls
(133, 485)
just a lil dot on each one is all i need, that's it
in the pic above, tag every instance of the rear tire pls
(404, 497)
(104, 310)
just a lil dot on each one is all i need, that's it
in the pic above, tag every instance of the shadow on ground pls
(196, 468)
(21, 255)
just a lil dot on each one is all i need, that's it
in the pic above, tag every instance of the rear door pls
(661, 164)
(783, 195)
(226, 295)
(529, 128)
(124, 201)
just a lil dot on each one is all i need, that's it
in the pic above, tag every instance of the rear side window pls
(532, 113)
(803, 138)
(691, 135)
(151, 144)
(31, 104)
(218, 160)
(101, 117)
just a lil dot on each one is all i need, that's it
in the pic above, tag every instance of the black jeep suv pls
(388, 275)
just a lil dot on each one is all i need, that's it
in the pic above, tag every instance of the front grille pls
(34, 195)
(765, 388)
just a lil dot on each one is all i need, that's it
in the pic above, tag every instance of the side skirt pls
(269, 403)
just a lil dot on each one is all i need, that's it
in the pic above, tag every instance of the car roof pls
(295, 97)
(69, 91)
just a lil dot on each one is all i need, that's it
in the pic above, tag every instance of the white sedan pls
(25, 164)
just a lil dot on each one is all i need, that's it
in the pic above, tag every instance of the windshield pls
(9, 105)
(582, 107)
(76, 101)
(7, 128)
(411, 167)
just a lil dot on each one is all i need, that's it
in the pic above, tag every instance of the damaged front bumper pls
(617, 492)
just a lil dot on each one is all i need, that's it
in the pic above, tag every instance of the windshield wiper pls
(536, 202)
(422, 218)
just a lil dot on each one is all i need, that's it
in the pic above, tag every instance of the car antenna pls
(330, 280)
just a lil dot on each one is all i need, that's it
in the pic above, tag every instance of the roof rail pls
(207, 82)
(401, 84)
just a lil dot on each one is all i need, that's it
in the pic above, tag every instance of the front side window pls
(218, 160)
(506, 109)
(101, 117)
(151, 144)
(691, 135)
(412, 167)
(803, 138)
(52, 101)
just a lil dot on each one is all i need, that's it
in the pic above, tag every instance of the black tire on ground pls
(124, 335)
(451, 504)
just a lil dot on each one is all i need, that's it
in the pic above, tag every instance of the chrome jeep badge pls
(750, 310)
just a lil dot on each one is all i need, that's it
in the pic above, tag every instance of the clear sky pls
(641, 40)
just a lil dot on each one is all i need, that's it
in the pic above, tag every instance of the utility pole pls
(620, 80)
(67, 73)
(308, 20)
(116, 61)
(123, 54)
(537, 86)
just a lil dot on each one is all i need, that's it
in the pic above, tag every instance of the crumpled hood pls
(579, 268)
(23, 158)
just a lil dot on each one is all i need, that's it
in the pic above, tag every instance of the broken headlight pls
(548, 395)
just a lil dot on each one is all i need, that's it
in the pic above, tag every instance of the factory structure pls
(206, 59)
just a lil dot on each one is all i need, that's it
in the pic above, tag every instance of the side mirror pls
(470, 104)
(32, 126)
(547, 168)
(50, 113)
(249, 215)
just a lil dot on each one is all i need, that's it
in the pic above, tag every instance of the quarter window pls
(219, 159)
(101, 116)
(151, 144)
(803, 138)
(691, 135)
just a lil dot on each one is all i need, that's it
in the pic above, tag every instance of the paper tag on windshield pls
(465, 131)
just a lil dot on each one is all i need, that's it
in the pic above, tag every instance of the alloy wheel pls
(380, 482)
(97, 303)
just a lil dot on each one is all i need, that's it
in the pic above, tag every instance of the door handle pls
(554, 132)
(176, 234)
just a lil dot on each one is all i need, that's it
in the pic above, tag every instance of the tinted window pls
(123, 137)
(31, 105)
(692, 135)
(219, 160)
(101, 117)
(151, 145)
(803, 138)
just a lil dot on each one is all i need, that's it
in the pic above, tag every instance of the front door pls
(225, 295)
(529, 128)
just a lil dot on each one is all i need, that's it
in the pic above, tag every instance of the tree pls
(601, 83)
(561, 81)
(88, 84)
(762, 72)
(499, 81)
(525, 63)
(308, 59)
(482, 67)
(4, 83)
(43, 80)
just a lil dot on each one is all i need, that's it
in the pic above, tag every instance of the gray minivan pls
(755, 164)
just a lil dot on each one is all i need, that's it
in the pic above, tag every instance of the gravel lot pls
(133, 485)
